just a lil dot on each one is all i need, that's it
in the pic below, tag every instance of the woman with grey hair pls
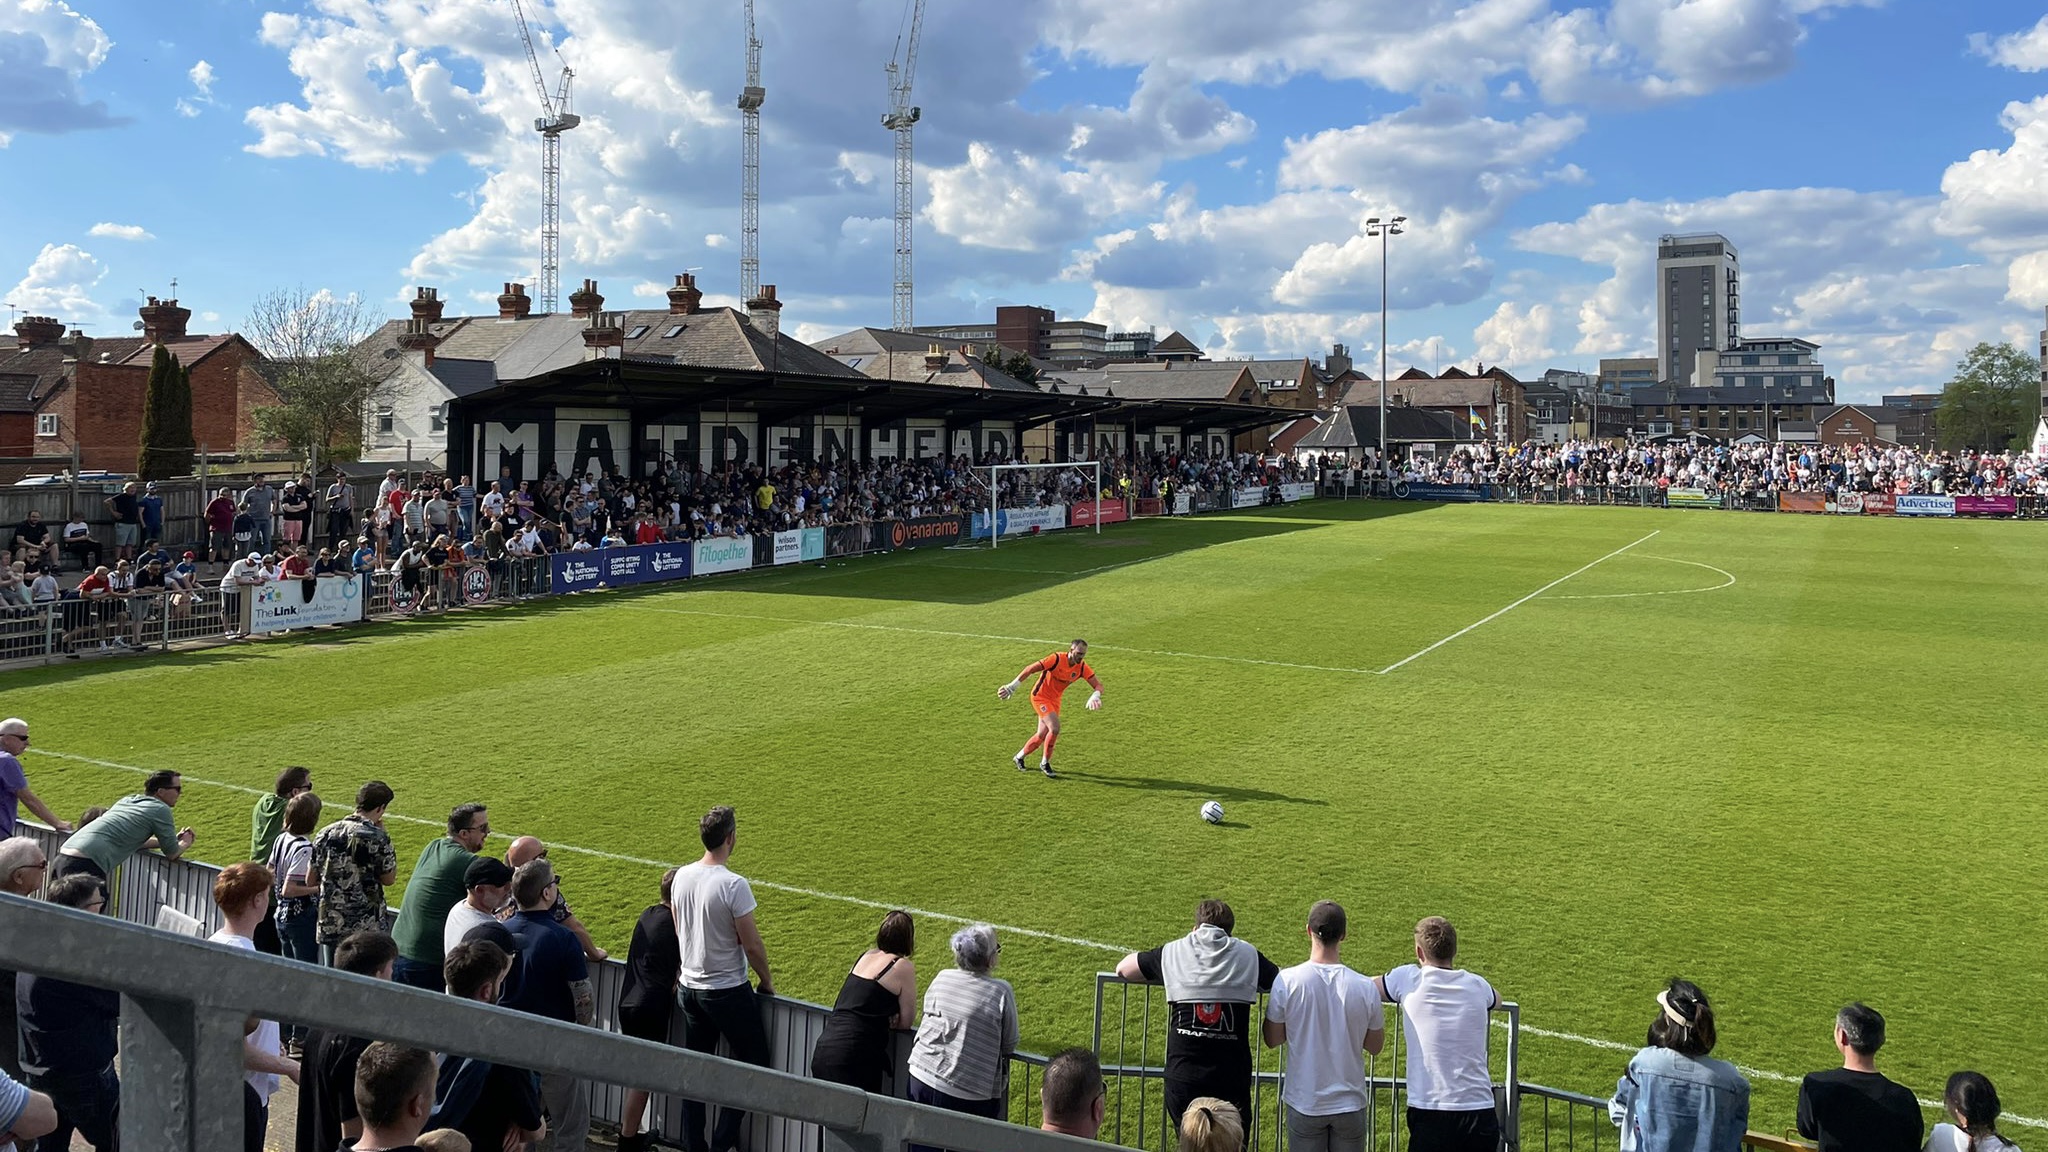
(968, 1033)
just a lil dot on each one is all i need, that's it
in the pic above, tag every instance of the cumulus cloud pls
(1996, 197)
(1864, 274)
(60, 282)
(112, 231)
(46, 50)
(2025, 51)
(201, 75)
(1517, 338)
(1024, 203)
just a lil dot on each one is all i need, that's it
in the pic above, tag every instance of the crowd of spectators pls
(500, 930)
(1738, 469)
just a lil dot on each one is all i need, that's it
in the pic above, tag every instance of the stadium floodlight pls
(1090, 469)
(1373, 227)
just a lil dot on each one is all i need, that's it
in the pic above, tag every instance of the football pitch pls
(1794, 759)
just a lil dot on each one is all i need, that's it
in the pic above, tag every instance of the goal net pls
(1028, 498)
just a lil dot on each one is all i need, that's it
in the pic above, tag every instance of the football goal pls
(1026, 498)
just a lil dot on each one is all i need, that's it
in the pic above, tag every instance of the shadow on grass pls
(1205, 791)
(972, 576)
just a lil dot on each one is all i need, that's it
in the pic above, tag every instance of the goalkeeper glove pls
(1095, 702)
(1007, 690)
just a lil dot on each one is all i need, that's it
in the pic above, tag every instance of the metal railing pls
(1553, 1119)
(1341, 485)
(1136, 1108)
(183, 1003)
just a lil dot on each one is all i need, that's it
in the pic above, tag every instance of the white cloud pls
(1997, 198)
(202, 77)
(1517, 338)
(2024, 51)
(112, 231)
(46, 49)
(60, 283)
(1023, 203)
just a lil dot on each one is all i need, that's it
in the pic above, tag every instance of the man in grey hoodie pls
(1212, 980)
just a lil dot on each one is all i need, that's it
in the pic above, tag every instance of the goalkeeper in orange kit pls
(1054, 673)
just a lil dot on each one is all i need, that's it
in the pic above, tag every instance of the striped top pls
(969, 1030)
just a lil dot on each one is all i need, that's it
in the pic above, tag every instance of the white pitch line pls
(622, 858)
(1727, 583)
(883, 905)
(1517, 604)
(991, 636)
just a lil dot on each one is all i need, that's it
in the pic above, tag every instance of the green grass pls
(1809, 786)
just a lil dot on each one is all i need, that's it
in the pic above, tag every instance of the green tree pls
(1020, 367)
(325, 387)
(1995, 397)
(167, 442)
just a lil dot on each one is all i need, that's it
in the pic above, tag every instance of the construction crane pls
(902, 117)
(554, 119)
(751, 98)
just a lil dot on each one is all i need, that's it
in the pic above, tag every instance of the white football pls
(1212, 812)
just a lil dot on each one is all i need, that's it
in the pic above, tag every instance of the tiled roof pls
(1200, 380)
(1175, 342)
(189, 350)
(17, 393)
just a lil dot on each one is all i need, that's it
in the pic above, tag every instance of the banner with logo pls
(1019, 521)
(715, 554)
(1879, 504)
(1090, 512)
(1691, 498)
(1848, 503)
(615, 567)
(1182, 505)
(1294, 492)
(476, 583)
(923, 531)
(788, 548)
(1151, 506)
(1987, 505)
(1247, 497)
(1799, 501)
(1926, 506)
(283, 604)
(812, 545)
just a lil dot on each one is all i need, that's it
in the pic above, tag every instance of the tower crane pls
(751, 98)
(903, 115)
(554, 119)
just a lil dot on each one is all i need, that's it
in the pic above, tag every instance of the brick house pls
(90, 399)
(1859, 424)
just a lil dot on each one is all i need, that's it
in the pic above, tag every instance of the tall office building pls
(1698, 302)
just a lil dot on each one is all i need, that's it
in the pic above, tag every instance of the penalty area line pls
(1517, 604)
(951, 918)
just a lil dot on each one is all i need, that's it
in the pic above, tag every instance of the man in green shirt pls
(265, 825)
(131, 825)
(435, 886)
(267, 821)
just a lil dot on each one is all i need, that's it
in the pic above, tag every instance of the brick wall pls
(101, 411)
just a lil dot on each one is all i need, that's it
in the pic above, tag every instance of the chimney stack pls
(419, 336)
(426, 305)
(37, 331)
(585, 301)
(935, 358)
(604, 338)
(684, 297)
(163, 321)
(1339, 362)
(76, 344)
(514, 303)
(764, 312)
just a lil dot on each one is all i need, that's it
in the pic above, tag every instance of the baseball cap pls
(258, 556)
(149, 487)
(486, 870)
(191, 556)
(1326, 921)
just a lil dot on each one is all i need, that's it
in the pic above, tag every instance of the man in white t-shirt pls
(486, 884)
(714, 913)
(1443, 1014)
(1326, 1013)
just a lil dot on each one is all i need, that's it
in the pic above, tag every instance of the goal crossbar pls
(1092, 468)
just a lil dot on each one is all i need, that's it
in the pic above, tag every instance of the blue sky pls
(1193, 164)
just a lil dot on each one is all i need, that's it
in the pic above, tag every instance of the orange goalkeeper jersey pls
(1055, 672)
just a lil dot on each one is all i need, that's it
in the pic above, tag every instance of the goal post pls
(1092, 469)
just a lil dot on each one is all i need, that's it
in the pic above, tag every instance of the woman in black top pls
(654, 960)
(880, 994)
